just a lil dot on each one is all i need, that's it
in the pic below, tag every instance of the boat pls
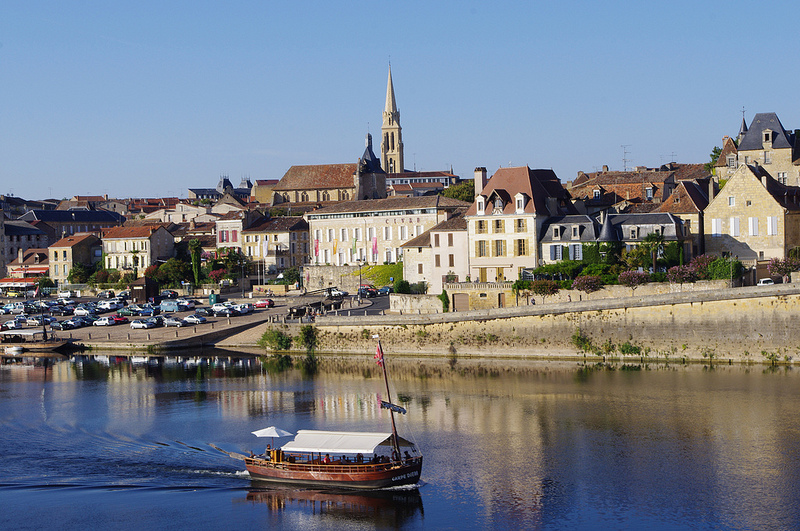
(337, 459)
(17, 341)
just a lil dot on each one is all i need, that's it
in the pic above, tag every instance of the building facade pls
(278, 243)
(134, 249)
(85, 249)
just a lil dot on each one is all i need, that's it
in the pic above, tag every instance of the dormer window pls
(649, 193)
(481, 207)
(768, 136)
(634, 233)
(498, 206)
(575, 233)
(596, 194)
(556, 233)
(519, 203)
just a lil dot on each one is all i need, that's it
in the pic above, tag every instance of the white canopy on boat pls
(340, 442)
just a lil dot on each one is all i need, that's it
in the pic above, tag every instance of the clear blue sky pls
(149, 98)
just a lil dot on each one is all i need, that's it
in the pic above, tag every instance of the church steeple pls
(392, 142)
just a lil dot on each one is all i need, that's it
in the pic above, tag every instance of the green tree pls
(195, 249)
(291, 275)
(715, 153)
(46, 282)
(79, 274)
(173, 272)
(463, 191)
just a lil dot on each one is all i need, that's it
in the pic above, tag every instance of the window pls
(520, 204)
(575, 233)
(64, 255)
(498, 226)
(648, 192)
(731, 201)
(450, 239)
(481, 209)
(753, 226)
(634, 233)
(772, 226)
(436, 240)
(732, 161)
(782, 177)
(451, 260)
(499, 248)
(747, 159)
(522, 247)
(480, 248)
(556, 252)
(521, 225)
(596, 194)
(330, 235)
(436, 261)
(481, 227)
(576, 251)
(734, 228)
(767, 157)
(556, 233)
(387, 233)
(247, 239)
(55, 256)
(419, 268)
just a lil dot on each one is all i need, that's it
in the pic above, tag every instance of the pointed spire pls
(743, 128)
(391, 104)
(607, 232)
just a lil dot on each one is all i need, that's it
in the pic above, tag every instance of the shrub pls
(308, 338)
(587, 283)
(681, 274)
(275, 340)
(544, 287)
(633, 279)
(402, 286)
(445, 301)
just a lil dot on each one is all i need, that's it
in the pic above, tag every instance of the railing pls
(332, 467)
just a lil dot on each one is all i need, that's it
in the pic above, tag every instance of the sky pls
(150, 98)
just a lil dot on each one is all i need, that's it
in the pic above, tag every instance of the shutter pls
(553, 252)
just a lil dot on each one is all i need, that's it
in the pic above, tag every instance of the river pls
(106, 443)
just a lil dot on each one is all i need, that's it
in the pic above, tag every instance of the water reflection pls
(382, 509)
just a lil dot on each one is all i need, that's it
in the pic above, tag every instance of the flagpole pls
(395, 442)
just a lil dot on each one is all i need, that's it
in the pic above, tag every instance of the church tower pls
(392, 143)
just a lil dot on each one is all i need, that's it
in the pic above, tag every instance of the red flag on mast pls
(379, 355)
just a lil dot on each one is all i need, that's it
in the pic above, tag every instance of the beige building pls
(182, 213)
(438, 255)
(84, 248)
(262, 191)
(766, 143)
(506, 219)
(277, 243)
(754, 217)
(373, 231)
(134, 249)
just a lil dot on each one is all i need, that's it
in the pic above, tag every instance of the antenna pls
(742, 112)
(625, 154)
(674, 157)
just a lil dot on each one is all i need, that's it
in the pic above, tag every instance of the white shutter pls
(734, 226)
(753, 223)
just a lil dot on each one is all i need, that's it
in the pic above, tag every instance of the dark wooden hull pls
(347, 476)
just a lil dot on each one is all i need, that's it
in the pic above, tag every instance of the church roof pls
(317, 177)
(369, 162)
(754, 138)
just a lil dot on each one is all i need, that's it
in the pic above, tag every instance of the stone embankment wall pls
(741, 324)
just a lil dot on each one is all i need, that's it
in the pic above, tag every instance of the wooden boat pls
(350, 460)
(30, 341)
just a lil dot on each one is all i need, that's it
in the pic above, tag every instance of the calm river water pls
(111, 444)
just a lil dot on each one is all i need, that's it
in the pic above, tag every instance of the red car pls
(264, 303)
(119, 318)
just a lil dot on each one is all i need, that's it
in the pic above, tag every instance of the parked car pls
(13, 324)
(169, 294)
(39, 320)
(244, 308)
(174, 321)
(62, 325)
(385, 290)
(66, 294)
(195, 319)
(217, 307)
(203, 311)
(82, 311)
(148, 310)
(226, 312)
(157, 320)
(65, 301)
(119, 319)
(109, 305)
(765, 282)
(336, 293)
(264, 303)
(106, 294)
(60, 310)
(142, 323)
(124, 294)
(105, 321)
(365, 292)
(171, 305)
(189, 303)
(133, 309)
(75, 322)
(87, 320)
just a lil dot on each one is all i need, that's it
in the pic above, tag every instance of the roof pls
(423, 240)
(73, 216)
(278, 224)
(267, 182)
(537, 185)
(587, 228)
(455, 223)
(391, 203)
(728, 148)
(75, 239)
(753, 139)
(340, 442)
(20, 228)
(130, 232)
(317, 177)
(689, 197)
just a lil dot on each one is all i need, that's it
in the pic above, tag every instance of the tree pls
(587, 283)
(46, 282)
(463, 191)
(79, 274)
(654, 244)
(173, 272)
(291, 275)
(783, 267)
(544, 288)
(195, 249)
(633, 279)
(715, 153)
(402, 286)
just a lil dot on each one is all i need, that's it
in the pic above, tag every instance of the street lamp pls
(358, 291)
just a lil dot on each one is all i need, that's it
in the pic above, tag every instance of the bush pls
(587, 283)
(544, 288)
(633, 279)
(402, 286)
(275, 340)
(445, 301)
(681, 274)
(308, 338)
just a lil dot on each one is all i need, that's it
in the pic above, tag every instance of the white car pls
(66, 294)
(104, 321)
(189, 303)
(174, 321)
(195, 319)
(219, 307)
(142, 323)
(765, 282)
(109, 305)
(82, 312)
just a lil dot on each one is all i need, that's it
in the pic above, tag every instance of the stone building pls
(438, 255)
(754, 217)
(134, 249)
(373, 231)
(278, 243)
(19, 235)
(85, 249)
(328, 183)
(505, 221)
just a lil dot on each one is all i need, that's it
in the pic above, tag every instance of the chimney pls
(605, 167)
(480, 180)
(712, 190)
(20, 255)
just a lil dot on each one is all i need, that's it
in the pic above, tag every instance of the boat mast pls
(395, 443)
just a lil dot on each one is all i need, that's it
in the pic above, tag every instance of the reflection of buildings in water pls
(382, 508)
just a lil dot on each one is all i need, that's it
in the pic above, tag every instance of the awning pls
(340, 442)
(17, 283)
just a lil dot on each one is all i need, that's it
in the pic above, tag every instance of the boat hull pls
(366, 476)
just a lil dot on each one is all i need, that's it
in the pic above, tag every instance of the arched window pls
(326, 196)
(345, 195)
(304, 196)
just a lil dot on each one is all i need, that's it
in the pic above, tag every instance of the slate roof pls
(73, 216)
(21, 228)
(278, 224)
(369, 162)
(317, 177)
(753, 138)
(587, 231)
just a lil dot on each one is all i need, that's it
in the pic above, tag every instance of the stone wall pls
(740, 324)
(327, 276)
(400, 303)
